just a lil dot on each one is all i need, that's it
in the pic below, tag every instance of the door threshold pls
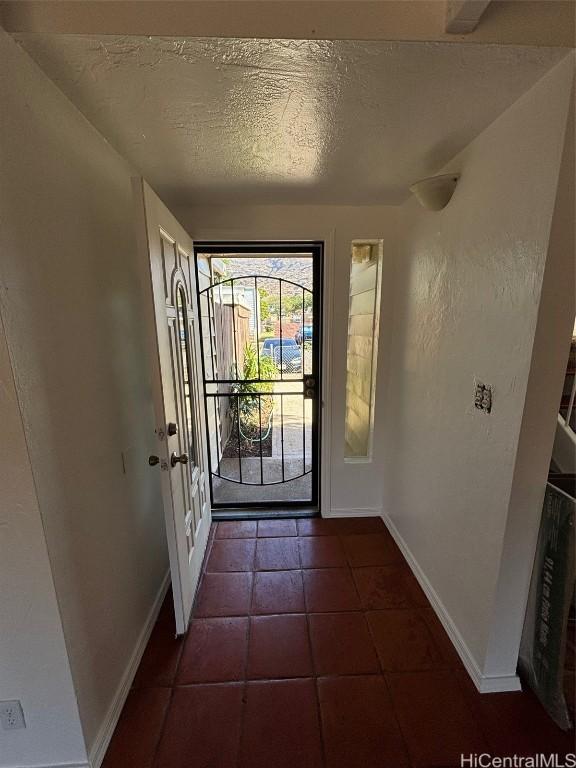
(263, 513)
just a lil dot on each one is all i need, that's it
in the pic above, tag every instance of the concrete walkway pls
(292, 423)
(292, 427)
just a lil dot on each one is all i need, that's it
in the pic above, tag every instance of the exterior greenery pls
(249, 408)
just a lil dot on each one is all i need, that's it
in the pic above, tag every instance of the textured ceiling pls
(279, 121)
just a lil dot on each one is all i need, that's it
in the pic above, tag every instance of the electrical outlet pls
(11, 715)
(482, 396)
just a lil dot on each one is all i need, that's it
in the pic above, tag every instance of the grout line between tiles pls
(244, 700)
(383, 674)
(162, 730)
(313, 662)
(316, 691)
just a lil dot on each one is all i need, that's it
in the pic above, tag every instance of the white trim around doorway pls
(328, 238)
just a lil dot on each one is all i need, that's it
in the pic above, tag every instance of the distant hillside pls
(298, 270)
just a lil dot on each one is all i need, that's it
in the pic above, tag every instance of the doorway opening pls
(260, 307)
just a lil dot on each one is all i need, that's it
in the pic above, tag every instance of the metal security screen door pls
(260, 313)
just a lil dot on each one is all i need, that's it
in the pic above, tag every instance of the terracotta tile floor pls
(313, 645)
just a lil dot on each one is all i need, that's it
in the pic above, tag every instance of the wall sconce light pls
(435, 192)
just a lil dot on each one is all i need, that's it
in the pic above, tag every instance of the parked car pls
(303, 334)
(285, 353)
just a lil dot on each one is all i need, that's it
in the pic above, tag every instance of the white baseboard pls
(62, 765)
(106, 731)
(485, 684)
(354, 512)
(499, 684)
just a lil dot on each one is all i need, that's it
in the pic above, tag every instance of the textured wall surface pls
(552, 342)
(33, 659)
(468, 287)
(70, 294)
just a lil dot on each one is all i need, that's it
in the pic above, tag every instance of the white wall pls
(351, 488)
(468, 287)
(550, 352)
(70, 298)
(539, 22)
(33, 660)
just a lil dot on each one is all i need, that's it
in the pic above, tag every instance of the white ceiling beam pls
(463, 16)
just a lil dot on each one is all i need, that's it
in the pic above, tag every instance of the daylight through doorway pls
(260, 329)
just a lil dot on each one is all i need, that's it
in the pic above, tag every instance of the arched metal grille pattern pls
(253, 379)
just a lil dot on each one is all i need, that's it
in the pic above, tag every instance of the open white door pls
(174, 344)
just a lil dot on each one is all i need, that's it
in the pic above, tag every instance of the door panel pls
(260, 330)
(173, 338)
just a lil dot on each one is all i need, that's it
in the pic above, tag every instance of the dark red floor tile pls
(224, 594)
(279, 647)
(371, 549)
(341, 644)
(138, 731)
(330, 589)
(277, 554)
(440, 712)
(281, 727)
(160, 659)
(236, 529)
(214, 652)
(434, 717)
(321, 552)
(403, 641)
(384, 586)
(278, 592)
(358, 724)
(441, 639)
(318, 526)
(359, 525)
(516, 723)
(270, 528)
(231, 555)
(416, 592)
(202, 727)
(333, 526)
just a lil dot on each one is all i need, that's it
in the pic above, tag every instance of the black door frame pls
(316, 249)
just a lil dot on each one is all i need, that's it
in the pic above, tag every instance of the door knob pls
(153, 460)
(174, 459)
